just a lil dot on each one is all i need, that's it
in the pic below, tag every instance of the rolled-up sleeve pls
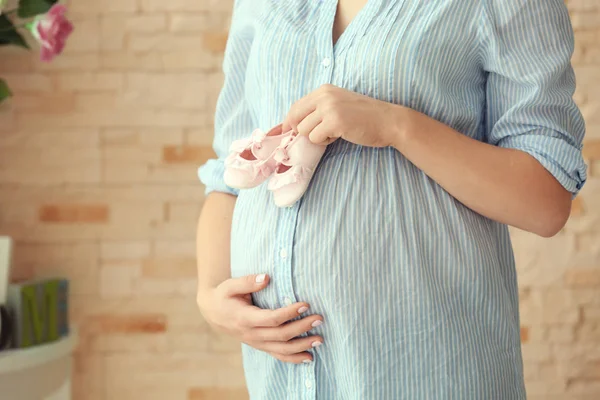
(232, 118)
(527, 47)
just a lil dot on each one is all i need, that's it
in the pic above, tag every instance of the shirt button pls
(326, 62)
(287, 301)
(308, 383)
(283, 253)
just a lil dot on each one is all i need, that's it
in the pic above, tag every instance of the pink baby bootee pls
(250, 161)
(297, 158)
(288, 159)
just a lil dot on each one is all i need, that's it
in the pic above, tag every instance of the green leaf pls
(31, 8)
(4, 91)
(9, 34)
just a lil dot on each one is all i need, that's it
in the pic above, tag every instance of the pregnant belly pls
(369, 221)
(409, 281)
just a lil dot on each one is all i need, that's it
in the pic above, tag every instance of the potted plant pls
(44, 20)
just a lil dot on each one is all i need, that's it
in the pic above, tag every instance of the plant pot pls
(6, 328)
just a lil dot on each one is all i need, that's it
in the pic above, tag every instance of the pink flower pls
(52, 30)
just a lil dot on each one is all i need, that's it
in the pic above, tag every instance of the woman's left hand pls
(330, 113)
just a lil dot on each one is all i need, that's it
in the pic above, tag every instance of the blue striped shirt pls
(418, 292)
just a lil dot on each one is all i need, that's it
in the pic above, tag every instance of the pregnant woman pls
(393, 277)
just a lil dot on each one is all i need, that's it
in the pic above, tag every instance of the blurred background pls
(98, 158)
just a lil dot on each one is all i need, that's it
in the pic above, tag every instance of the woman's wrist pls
(402, 121)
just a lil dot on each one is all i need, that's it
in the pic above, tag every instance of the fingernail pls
(302, 310)
(307, 361)
(260, 278)
(316, 344)
(317, 323)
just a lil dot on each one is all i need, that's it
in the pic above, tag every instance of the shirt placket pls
(325, 50)
(302, 377)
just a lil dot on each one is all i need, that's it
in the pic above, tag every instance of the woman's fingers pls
(310, 122)
(254, 317)
(288, 331)
(293, 346)
(244, 285)
(299, 110)
(266, 330)
(322, 134)
(294, 358)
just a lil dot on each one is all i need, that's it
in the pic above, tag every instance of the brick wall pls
(98, 156)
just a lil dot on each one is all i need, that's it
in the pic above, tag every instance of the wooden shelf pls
(21, 359)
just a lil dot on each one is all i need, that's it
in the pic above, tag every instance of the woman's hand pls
(330, 113)
(228, 308)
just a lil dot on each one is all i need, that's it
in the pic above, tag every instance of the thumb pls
(245, 284)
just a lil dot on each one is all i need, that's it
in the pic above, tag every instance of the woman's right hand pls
(228, 308)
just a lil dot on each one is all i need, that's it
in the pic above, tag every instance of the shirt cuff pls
(562, 159)
(211, 175)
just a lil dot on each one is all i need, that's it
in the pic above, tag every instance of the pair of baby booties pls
(287, 159)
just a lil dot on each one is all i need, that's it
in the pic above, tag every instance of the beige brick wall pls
(98, 156)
